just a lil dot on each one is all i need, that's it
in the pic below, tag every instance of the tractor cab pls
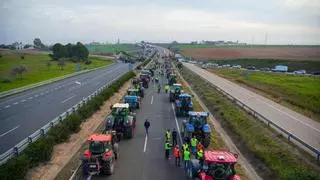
(199, 119)
(175, 91)
(120, 109)
(99, 144)
(216, 165)
(133, 92)
(133, 101)
(183, 104)
(172, 79)
(185, 100)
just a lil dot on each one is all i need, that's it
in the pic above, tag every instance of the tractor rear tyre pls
(206, 139)
(138, 105)
(108, 167)
(130, 132)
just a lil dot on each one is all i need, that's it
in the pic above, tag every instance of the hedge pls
(41, 150)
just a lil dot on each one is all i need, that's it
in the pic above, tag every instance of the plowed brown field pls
(297, 53)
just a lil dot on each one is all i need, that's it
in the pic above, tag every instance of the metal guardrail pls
(289, 135)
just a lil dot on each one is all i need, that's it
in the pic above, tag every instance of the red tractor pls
(101, 155)
(216, 165)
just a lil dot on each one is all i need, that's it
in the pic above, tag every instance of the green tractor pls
(135, 92)
(121, 121)
(172, 79)
(174, 91)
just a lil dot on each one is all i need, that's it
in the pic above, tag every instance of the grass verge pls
(273, 158)
(217, 142)
(41, 150)
(301, 93)
(39, 68)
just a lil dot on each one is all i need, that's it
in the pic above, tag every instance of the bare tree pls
(19, 70)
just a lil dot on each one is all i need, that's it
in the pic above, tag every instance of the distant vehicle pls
(280, 68)
(226, 65)
(251, 68)
(204, 66)
(265, 69)
(300, 72)
(236, 66)
(316, 73)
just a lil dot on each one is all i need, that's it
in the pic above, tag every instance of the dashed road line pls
(23, 100)
(151, 99)
(7, 106)
(10, 131)
(175, 117)
(68, 99)
(145, 143)
(15, 103)
(30, 98)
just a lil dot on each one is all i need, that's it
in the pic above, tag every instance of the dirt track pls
(297, 53)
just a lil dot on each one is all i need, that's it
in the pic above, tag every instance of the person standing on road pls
(168, 135)
(174, 137)
(146, 126)
(194, 143)
(166, 87)
(176, 154)
(167, 147)
(186, 157)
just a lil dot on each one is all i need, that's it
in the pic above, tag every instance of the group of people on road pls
(190, 147)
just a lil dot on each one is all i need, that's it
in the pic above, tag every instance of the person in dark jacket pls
(174, 137)
(146, 126)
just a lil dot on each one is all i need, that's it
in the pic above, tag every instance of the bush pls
(15, 168)
(6, 80)
(40, 150)
(87, 62)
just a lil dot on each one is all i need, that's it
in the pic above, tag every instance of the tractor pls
(101, 155)
(174, 92)
(133, 101)
(135, 92)
(216, 165)
(121, 121)
(172, 79)
(183, 104)
(145, 79)
(197, 126)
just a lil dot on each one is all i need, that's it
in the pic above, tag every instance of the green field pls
(270, 154)
(293, 65)
(37, 69)
(110, 48)
(300, 92)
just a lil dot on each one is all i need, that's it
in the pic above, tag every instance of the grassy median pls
(272, 157)
(302, 93)
(39, 68)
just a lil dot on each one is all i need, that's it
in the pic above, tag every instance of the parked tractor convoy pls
(102, 150)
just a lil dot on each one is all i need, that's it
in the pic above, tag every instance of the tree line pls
(76, 52)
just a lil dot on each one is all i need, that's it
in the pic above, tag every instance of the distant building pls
(280, 68)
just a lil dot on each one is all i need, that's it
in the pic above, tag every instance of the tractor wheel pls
(108, 167)
(130, 132)
(138, 105)
(85, 168)
(206, 139)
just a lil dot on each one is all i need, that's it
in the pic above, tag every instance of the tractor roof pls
(184, 95)
(100, 137)
(132, 89)
(130, 97)
(193, 113)
(212, 156)
(176, 84)
(121, 105)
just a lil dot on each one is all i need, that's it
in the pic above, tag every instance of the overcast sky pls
(284, 21)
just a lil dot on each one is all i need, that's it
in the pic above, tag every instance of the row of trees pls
(75, 52)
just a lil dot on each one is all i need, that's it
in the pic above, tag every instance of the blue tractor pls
(133, 101)
(197, 126)
(183, 104)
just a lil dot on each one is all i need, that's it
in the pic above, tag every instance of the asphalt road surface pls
(22, 114)
(303, 127)
(142, 157)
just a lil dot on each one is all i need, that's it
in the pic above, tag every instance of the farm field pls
(110, 48)
(286, 53)
(37, 69)
(301, 93)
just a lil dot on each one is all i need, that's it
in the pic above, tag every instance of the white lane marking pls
(175, 117)
(15, 103)
(41, 94)
(30, 98)
(23, 100)
(151, 99)
(261, 100)
(77, 82)
(36, 95)
(68, 99)
(56, 88)
(145, 143)
(7, 106)
(10, 131)
(89, 177)
(47, 91)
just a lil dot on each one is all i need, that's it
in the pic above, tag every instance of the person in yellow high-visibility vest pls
(186, 158)
(194, 143)
(166, 88)
(167, 147)
(168, 135)
(200, 155)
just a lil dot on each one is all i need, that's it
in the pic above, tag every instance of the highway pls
(22, 114)
(142, 157)
(301, 126)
